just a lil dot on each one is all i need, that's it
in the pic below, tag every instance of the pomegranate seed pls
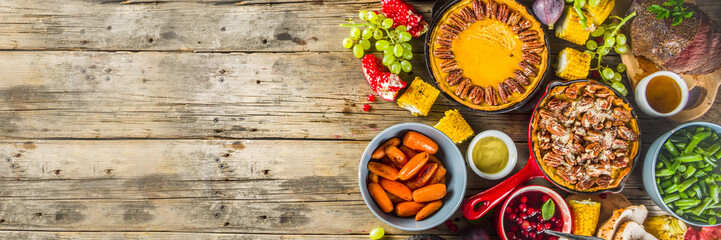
(524, 199)
(371, 97)
(454, 228)
(603, 195)
(366, 107)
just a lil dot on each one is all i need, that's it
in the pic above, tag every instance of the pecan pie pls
(488, 54)
(585, 137)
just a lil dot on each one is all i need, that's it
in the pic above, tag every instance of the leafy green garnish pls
(677, 13)
(548, 209)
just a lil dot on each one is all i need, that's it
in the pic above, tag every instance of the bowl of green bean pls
(681, 173)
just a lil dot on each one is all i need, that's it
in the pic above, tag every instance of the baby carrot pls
(383, 170)
(380, 151)
(429, 209)
(407, 209)
(397, 189)
(396, 156)
(423, 176)
(419, 142)
(394, 199)
(437, 176)
(429, 193)
(380, 197)
(410, 153)
(372, 177)
(413, 166)
(432, 158)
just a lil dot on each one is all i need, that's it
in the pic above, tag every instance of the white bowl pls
(642, 102)
(512, 154)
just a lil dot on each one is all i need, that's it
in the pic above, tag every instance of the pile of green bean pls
(687, 174)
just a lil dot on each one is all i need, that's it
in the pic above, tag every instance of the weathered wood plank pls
(210, 95)
(179, 235)
(211, 25)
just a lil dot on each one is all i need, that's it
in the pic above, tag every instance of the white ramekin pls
(642, 102)
(512, 154)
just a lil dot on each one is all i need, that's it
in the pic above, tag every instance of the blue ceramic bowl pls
(455, 177)
(649, 170)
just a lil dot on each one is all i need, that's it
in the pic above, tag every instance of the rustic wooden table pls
(205, 119)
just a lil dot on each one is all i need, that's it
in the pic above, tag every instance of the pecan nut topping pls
(521, 77)
(458, 21)
(503, 92)
(513, 85)
(465, 83)
(476, 94)
(466, 91)
(528, 69)
(468, 15)
(443, 53)
(450, 29)
(503, 12)
(449, 65)
(490, 96)
(491, 7)
(521, 26)
(514, 19)
(478, 10)
(454, 77)
(531, 58)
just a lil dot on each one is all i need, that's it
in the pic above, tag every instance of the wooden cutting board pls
(640, 67)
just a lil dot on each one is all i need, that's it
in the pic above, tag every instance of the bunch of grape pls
(609, 38)
(397, 52)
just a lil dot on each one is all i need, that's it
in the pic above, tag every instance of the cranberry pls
(523, 215)
(371, 97)
(514, 228)
(547, 225)
(512, 216)
(519, 220)
(540, 227)
(522, 207)
(525, 225)
(524, 233)
(509, 210)
(511, 235)
(524, 199)
(531, 211)
(531, 235)
(545, 198)
(539, 218)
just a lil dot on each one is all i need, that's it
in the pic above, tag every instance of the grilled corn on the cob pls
(600, 12)
(573, 64)
(570, 29)
(585, 216)
(665, 227)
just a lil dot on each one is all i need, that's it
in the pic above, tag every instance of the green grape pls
(377, 34)
(371, 16)
(591, 45)
(616, 77)
(388, 51)
(621, 39)
(382, 45)
(407, 46)
(606, 35)
(347, 43)
(591, 53)
(387, 23)
(358, 51)
(404, 37)
(377, 233)
(355, 33)
(396, 68)
(621, 49)
(408, 55)
(367, 33)
(609, 42)
(362, 15)
(607, 73)
(603, 51)
(598, 32)
(621, 67)
(365, 44)
(400, 29)
(620, 88)
(398, 50)
(388, 60)
(406, 66)
(381, 17)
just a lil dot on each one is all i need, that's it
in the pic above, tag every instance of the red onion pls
(548, 11)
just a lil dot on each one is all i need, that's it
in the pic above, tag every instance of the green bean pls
(677, 139)
(659, 165)
(671, 189)
(712, 221)
(707, 201)
(676, 179)
(671, 148)
(710, 162)
(682, 168)
(697, 189)
(690, 192)
(690, 170)
(674, 166)
(686, 134)
(700, 174)
(686, 184)
(670, 198)
(716, 177)
(680, 147)
(679, 212)
(666, 184)
(717, 155)
(697, 138)
(664, 172)
(699, 219)
(683, 195)
(713, 148)
(716, 206)
(687, 202)
(708, 168)
(688, 158)
(713, 137)
(715, 192)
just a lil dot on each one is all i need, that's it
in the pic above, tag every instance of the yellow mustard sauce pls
(490, 155)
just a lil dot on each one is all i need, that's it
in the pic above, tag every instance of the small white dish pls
(642, 101)
(512, 154)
